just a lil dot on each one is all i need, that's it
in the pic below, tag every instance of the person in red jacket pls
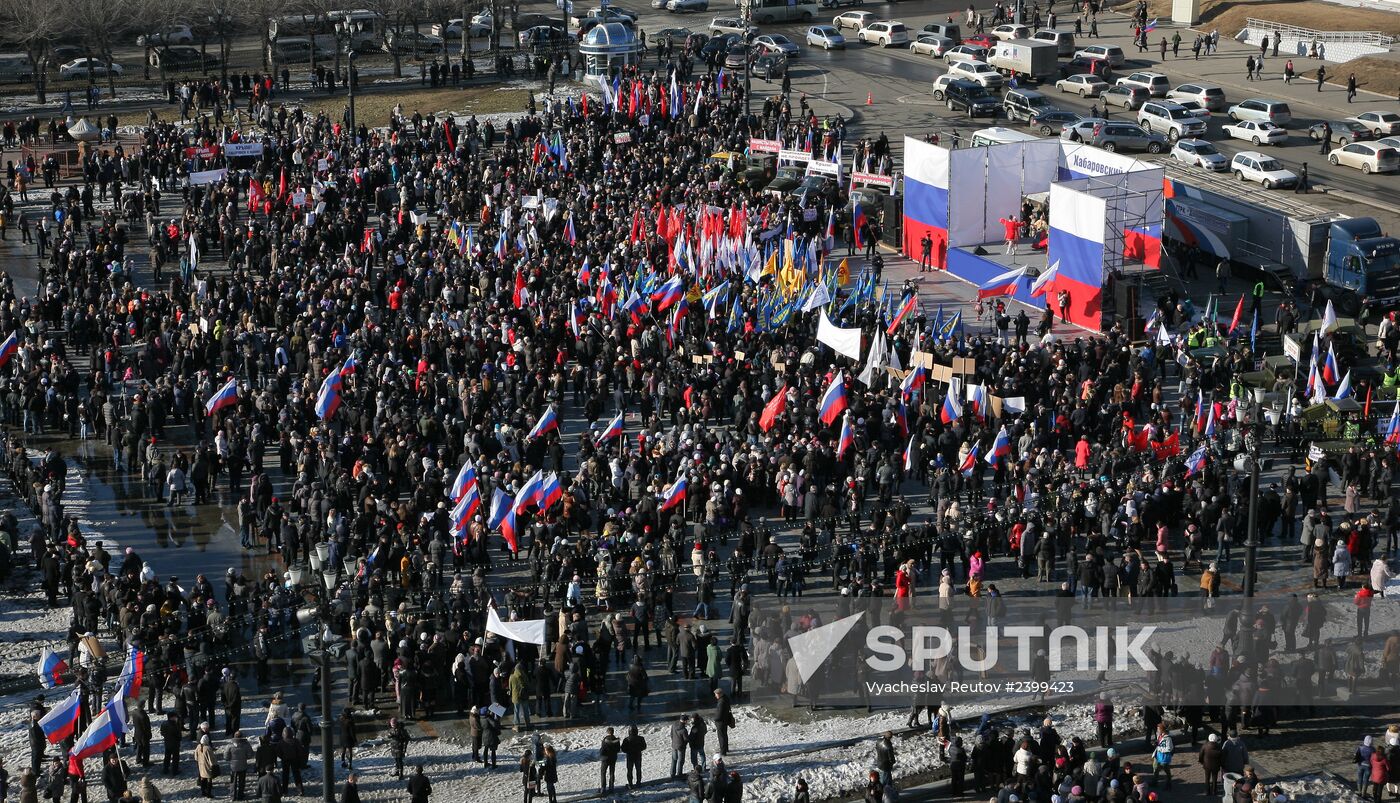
(1013, 231)
(1380, 773)
(1363, 598)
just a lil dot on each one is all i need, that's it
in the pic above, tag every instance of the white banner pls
(530, 631)
(233, 150)
(827, 168)
(207, 177)
(794, 155)
(845, 342)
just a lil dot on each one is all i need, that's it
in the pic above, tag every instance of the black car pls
(1050, 121)
(770, 66)
(713, 51)
(970, 97)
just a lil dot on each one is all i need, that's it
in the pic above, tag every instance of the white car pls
(178, 34)
(1368, 157)
(1113, 54)
(1382, 124)
(482, 18)
(885, 34)
(79, 68)
(931, 44)
(965, 53)
(1389, 142)
(979, 72)
(1084, 85)
(778, 42)
(453, 29)
(1257, 132)
(825, 37)
(1200, 153)
(1195, 107)
(1266, 170)
(853, 19)
(1010, 31)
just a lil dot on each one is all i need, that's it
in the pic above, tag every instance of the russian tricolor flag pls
(548, 422)
(1392, 430)
(674, 494)
(1002, 285)
(913, 381)
(969, 463)
(977, 399)
(951, 409)
(1330, 373)
(1196, 461)
(613, 430)
(551, 492)
(906, 306)
(847, 438)
(669, 293)
(909, 455)
(133, 673)
(62, 721)
(100, 736)
(9, 348)
(328, 397)
(530, 493)
(466, 478)
(1001, 447)
(348, 367)
(227, 396)
(52, 668)
(834, 400)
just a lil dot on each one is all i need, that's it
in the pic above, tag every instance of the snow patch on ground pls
(1318, 789)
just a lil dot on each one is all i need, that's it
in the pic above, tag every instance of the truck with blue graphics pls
(1348, 259)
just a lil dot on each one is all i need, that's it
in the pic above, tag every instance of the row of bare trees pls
(96, 28)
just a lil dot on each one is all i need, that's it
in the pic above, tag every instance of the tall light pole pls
(322, 615)
(1251, 544)
(350, 84)
(748, 84)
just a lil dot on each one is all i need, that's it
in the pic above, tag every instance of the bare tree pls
(103, 23)
(220, 20)
(34, 25)
(156, 18)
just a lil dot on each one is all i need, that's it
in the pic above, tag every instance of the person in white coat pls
(1380, 574)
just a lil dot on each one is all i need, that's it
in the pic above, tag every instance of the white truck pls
(1026, 58)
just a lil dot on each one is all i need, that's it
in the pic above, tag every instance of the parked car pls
(687, 6)
(979, 72)
(1021, 104)
(968, 97)
(1063, 40)
(731, 25)
(412, 42)
(1208, 95)
(1368, 157)
(177, 34)
(453, 29)
(769, 66)
(839, 3)
(1389, 142)
(736, 56)
(1266, 170)
(81, 67)
(1113, 54)
(1200, 153)
(825, 37)
(1079, 65)
(980, 40)
(1129, 97)
(1115, 136)
(778, 42)
(1172, 120)
(714, 51)
(1155, 83)
(1011, 31)
(1083, 85)
(1269, 111)
(1080, 130)
(681, 37)
(931, 44)
(885, 34)
(966, 52)
(1051, 121)
(1344, 132)
(183, 58)
(1195, 108)
(1258, 133)
(787, 179)
(853, 19)
(542, 36)
(1382, 124)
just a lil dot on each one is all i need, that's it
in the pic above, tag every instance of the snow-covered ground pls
(1318, 789)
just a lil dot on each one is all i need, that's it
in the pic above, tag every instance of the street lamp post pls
(322, 616)
(350, 83)
(748, 84)
(1251, 544)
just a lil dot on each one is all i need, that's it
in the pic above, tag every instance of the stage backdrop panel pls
(1077, 227)
(925, 198)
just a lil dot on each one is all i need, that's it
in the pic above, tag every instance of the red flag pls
(447, 132)
(1366, 412)
(282, 185)
(585, 104)
(1140, 440)
(1239, 311)
(1167, 448)
(637, 226)
(255, 195)
(660, 221)
(689, 389)
(773, 409)
(365, 243)
(519, 288)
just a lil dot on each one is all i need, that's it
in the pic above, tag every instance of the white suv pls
(1155, 83)
(979, 72)
(885, 34)
(1255, 166)
(1171, 120)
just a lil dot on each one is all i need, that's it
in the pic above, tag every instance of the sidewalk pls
(1226, 65)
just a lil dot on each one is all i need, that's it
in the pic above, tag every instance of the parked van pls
(15, 69)
(1064, 40)
(948, 29)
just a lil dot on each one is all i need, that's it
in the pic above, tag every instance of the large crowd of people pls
(606, 337)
